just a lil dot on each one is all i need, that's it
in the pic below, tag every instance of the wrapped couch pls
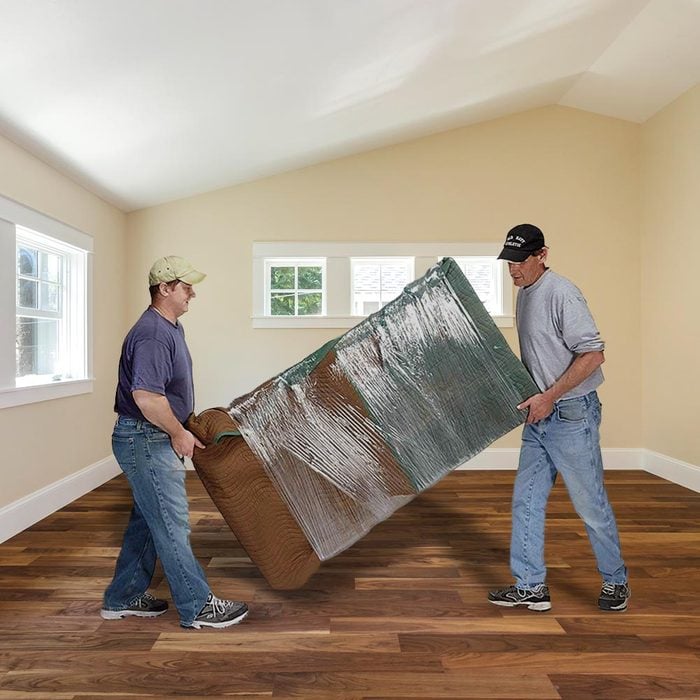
(306, 464)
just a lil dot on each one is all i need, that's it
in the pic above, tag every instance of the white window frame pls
(409, 262)
(338, 278)
(19, 223)
(296, 263)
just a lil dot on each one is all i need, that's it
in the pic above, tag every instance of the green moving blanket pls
(358, 428)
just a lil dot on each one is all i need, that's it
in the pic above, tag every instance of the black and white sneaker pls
(614, 596)
(219, 613)
(534, 599)
(145, 606)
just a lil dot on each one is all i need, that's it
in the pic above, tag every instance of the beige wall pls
(597, 187)
(670, 226)
(44, 442)
(573, 173)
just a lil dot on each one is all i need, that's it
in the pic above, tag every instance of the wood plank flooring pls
(402, 614)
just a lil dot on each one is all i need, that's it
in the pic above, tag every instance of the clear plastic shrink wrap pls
(360, 427)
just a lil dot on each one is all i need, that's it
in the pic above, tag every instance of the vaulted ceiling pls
(146, 101)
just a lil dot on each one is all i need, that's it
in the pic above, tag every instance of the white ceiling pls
(146, 101)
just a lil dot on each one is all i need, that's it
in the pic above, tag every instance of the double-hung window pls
(50, 314)
(45, 301)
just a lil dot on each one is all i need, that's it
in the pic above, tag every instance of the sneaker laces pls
(609, 588)
(145, 600)
(539, 589)
(220, 606)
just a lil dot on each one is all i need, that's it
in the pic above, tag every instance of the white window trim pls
(337, 275)
(19, 396)
(13, 214)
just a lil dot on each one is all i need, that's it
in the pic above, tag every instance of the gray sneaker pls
(219, 613)
(536, 598)
(145, 606)
(614, 596)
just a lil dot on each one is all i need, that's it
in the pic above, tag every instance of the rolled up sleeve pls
(579, 330)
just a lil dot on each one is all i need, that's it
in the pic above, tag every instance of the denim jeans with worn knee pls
(567, 442)
(159, 524)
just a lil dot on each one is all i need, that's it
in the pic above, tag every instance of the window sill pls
(503, 321)
(343, 322)
(18, 396)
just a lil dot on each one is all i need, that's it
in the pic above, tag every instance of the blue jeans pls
(566, 442)
(159, 523)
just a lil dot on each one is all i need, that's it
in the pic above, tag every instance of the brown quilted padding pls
(251, 506)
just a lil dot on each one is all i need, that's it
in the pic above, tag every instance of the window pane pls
(282, 278)
(310, 304)
(482, 277)
(310, 278)
(389, 295)
(50, 267)
(37, 346)
(26, 261)
(282, 304)
(394, 278)
(365, 277)
(27, 293)
(365, 303)
(377, 282)
(50, 297)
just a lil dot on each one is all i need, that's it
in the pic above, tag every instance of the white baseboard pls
(622, 457)
(507, 458)
(494, 458)
(681, 473)
(669, 468)
(27, 511)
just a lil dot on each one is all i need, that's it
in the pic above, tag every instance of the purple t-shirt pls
(155, 358)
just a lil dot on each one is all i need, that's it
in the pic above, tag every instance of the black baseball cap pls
(521, 242)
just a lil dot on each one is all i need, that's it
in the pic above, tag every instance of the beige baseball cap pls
(171, 268)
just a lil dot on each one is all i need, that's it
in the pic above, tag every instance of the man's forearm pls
(156, 410)
(541, 405)
(580, 369)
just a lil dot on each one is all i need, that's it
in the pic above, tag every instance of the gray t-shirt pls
(555, 325)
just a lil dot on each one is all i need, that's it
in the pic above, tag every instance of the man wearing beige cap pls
(155, 395)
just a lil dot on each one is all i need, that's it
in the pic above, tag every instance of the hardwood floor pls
(402, 614)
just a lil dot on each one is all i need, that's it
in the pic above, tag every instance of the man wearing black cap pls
(562, 349)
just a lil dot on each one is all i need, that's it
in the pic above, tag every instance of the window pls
(45, 294)
(50, 316)
(376, 281)
(295, 287)
(332, 284)
(485, 274)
